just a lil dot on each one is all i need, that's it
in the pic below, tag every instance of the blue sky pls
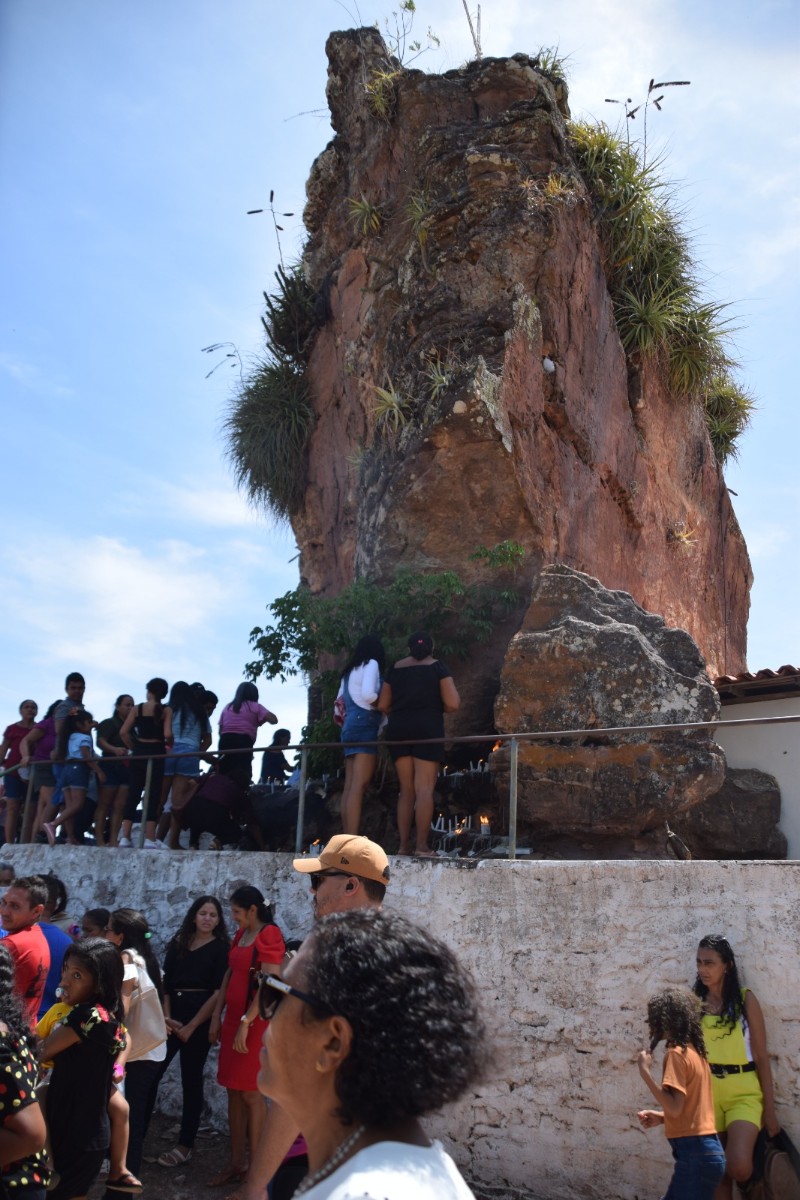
(133, 138)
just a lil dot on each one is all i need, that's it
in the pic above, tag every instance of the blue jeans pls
(360, 723)
(699, 1168)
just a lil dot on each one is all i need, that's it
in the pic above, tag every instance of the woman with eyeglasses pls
(257, 950)
(374, 1024)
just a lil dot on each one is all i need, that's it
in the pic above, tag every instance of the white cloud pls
(221, 507)
(32, 378)
(111, 606)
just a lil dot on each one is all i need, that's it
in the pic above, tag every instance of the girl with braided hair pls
(741, 1075)
(687, 1111)
(22, 1129)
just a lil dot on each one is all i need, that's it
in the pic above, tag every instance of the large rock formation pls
(454, 255)
(587, 658)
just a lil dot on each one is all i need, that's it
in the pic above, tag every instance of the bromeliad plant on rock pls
(269, 419)
(661, 314)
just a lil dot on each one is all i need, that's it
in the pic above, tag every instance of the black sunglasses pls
(272, 990)
(318, 876)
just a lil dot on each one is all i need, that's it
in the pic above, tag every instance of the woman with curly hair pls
(687, 1112)
(22, 1130)
(195, 965)
(374, 1024)
(741, 1076)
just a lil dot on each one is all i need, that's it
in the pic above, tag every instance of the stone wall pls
(565, 955)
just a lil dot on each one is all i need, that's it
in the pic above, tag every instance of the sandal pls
(124, 1183)
(425, 854)
(174, 1158)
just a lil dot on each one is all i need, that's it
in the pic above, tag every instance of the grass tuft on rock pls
(660, 312)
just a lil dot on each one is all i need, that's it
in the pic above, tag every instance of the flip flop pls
(126, 1183)
(424, 854)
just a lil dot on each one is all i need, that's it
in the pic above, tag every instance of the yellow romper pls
(736, 1097)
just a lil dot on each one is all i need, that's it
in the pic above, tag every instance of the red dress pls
(239, 1071)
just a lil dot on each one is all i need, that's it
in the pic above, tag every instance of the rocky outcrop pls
(738, 821)
(587, 658)
(477, 257)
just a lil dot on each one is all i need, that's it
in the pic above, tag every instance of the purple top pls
(46, 744)
(246, 721)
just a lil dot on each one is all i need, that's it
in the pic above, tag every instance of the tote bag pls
(145, 1022)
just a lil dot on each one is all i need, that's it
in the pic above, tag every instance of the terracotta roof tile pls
(765, 684)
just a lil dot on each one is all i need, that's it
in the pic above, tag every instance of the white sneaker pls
(124, 844)
(154, 845)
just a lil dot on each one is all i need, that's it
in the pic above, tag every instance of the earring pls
(319, 1066)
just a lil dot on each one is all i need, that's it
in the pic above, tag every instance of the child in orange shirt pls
(687, 1112)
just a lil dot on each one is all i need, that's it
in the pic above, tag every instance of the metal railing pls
(512, 740)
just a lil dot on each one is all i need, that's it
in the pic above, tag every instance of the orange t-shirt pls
(686, 1072)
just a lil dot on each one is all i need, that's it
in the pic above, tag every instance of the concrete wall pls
(771, 748)
(565, 955)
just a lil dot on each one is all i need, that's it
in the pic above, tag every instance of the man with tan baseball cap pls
(350, 872)
(359, 868)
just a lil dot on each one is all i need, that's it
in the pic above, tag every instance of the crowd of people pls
(353, 1036)
(150, 755)
(147, 761)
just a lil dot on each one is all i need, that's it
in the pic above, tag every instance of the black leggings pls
(138, 779)
(141, 1089)
(237, 766)
(184, 1006)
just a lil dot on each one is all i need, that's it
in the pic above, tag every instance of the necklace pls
(330, 1165)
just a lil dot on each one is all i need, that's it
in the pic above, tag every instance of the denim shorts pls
(182, 766)
(15, 788)
(75, 775)
(699, 1168)
(360, 724)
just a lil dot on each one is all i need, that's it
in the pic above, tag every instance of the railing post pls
(27, 812)
(148, 780)
(301, 805)
(512, 798)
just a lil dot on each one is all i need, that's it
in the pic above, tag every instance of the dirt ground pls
(179, 1183)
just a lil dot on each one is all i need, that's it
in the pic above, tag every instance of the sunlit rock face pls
(587, 658)
(466, 256)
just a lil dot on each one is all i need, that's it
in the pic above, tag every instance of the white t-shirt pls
(395, 1171)
(364, 684)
